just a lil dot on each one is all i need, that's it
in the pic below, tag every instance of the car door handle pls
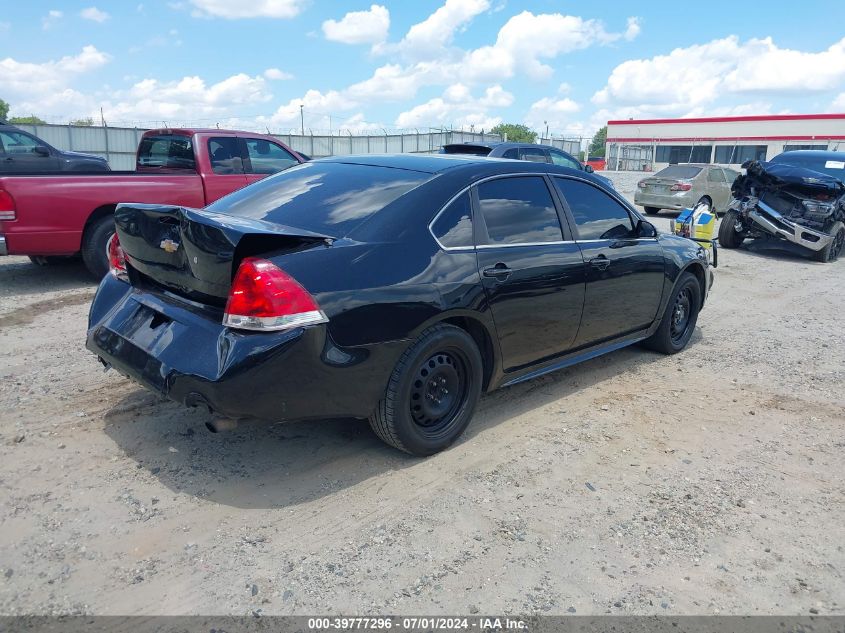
(499, 271)
(601, 262)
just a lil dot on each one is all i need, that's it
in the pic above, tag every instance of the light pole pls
(302, 118)
(546, 123)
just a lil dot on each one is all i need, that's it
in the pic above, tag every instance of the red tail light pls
(264, 297)
(117, 258)
(680, 186)
(8, 211)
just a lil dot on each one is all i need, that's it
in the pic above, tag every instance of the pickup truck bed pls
(63, 214)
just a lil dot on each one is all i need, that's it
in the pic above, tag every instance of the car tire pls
(679, 317)
(94, 243)
(432, 392)
(652, 210)
(832, 251)
(728, 235)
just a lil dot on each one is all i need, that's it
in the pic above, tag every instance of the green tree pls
(4, 110)
(598, 143)
(516, 133)
(27, 120)
(86, 122)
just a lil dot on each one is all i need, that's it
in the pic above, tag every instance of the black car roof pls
(426, 163)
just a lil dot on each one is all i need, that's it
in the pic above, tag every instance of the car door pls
(532, 272)
(264, 157)
(24, 153)
(227, 164)
(624, 272)
(717, 187)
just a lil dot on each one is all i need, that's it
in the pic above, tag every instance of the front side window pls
(597, 215)
(519, 210)
(166, 151)
(225, 155)
(18, 143)
(559, 158)
(453, 227)
(268, 158)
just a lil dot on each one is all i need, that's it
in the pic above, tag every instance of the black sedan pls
(394, 288)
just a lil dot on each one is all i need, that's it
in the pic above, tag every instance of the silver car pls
(683, 186)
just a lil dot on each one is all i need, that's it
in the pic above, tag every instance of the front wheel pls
(432, 392)
(833, 250)
(731, 234)
(94, 244)
(679, 318)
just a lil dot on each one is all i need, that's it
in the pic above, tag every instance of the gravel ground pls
(707, 482)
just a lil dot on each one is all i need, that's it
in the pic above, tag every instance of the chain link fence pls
(118, 145)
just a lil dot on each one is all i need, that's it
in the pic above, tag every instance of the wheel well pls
(96, 215)
(482, 338)
(708, 198)
(698, 271)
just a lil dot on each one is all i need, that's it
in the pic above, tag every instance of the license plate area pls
(147, 328)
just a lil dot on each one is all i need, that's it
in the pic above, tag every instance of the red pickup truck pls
(55, 215)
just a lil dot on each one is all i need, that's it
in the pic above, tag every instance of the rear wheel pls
(833, 250)
(432, 392)
(729, 236)
(94, 244)
(652, 210)
(679, 318)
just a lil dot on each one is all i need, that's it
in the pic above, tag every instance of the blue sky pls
(417, 64)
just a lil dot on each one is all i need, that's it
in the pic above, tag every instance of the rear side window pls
(511, 153)
(168, 151)
(322, 197)
(453, 227)
(533, 154)
(597, 215)
(268, 158)
(225, 155)
(519, 210)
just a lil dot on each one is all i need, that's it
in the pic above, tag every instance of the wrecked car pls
(795, 197)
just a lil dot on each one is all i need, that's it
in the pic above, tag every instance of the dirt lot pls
(707, 482)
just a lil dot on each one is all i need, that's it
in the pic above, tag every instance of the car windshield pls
(322, 197)
(833, 165)
(678, 172)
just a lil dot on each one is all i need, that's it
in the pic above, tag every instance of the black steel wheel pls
(432, 392)
(679, 317)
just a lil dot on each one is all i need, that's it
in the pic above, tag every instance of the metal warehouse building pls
(651, 144)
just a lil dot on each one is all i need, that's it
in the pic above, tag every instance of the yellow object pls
(698, 223)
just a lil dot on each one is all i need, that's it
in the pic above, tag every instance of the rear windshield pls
(679, 172)
(475, 150)
(831, 165)
(327, 198)
(166, 150)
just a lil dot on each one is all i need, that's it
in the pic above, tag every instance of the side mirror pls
(589, 169)
(40, 150)
(646, 229)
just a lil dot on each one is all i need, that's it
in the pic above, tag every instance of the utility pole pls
(302, 118)
(547, 128)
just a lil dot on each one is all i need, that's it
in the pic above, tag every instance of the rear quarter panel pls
(52, 210)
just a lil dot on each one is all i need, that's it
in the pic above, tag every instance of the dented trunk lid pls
(194, 252)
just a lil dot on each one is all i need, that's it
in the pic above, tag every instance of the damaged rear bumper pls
(773, 222)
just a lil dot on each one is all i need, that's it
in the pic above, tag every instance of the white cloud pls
(693, 80)
(838, 104)
(233, 10)
(633, 29)
(187, 99)
(459, 108)
(50, 20)
(438, 30)
(276, 74)
(552, 111)
(359, 27)
(94, 14)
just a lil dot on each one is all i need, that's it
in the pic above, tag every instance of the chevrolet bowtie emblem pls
(169, 246)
